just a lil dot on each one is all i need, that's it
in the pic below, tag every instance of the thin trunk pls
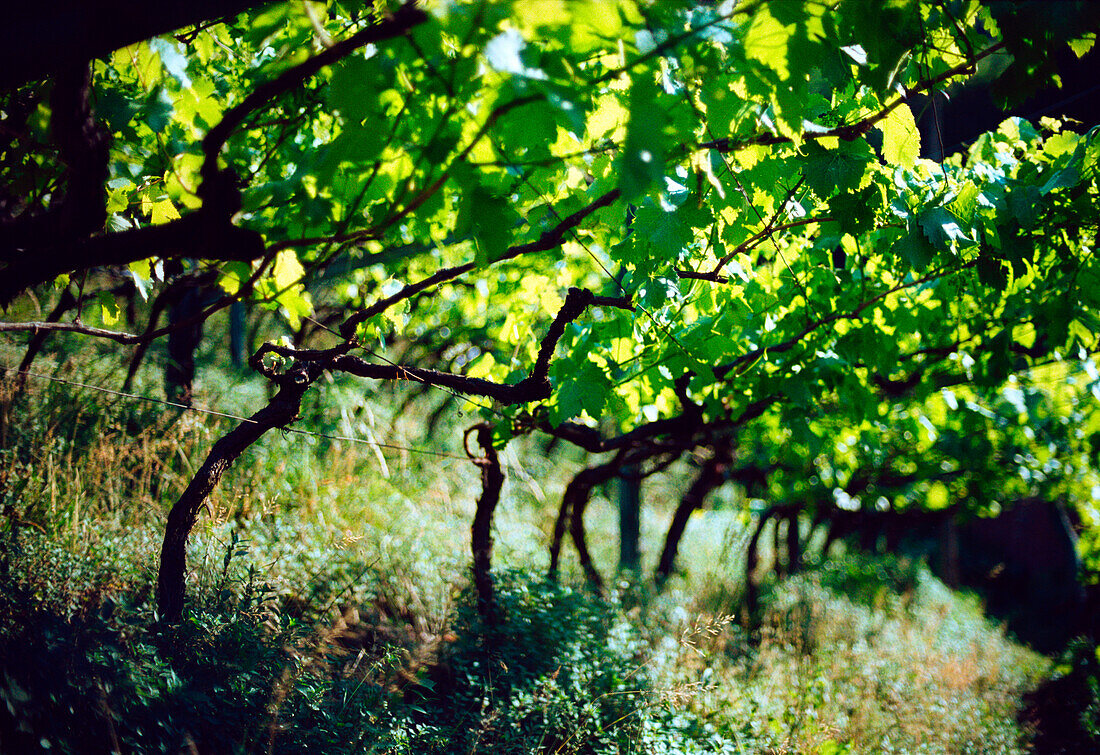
(630, 518)
(752, 558)
(179, 373)
(711, 476)
(794, 551)
(573, 500)
(580, 541)
(280, 411)
(8, 394)
(238, 325)
(437, 415)
(779, 566)
(560, 525)
(155, 310)
(64, 304)
(481, 537)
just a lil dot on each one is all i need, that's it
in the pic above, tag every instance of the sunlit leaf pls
(287, 269)
(163, 211)
(766, 41)
(900, 137)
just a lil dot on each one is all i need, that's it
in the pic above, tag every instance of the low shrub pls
(923, 672)
(86, 667)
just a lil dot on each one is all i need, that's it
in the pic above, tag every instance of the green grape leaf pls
(585, 390)
(141, 273)
(841, 169)
(855, 212)
(233, 275)
(914, 248)
(157, 110)
(490, 219)
(942, 228)
(900, 137)
(354, 88)
(287, 269)
(163, 211)
(641, 163)
(109, 309)
(965, 203)
(766, 41)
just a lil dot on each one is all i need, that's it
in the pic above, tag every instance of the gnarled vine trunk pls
(280, 411)
(481, 536)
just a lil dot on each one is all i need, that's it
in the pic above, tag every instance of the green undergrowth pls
(329, 609)
(86, 666)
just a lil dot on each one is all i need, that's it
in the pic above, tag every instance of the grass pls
(330, 610)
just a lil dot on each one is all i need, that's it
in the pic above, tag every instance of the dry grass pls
(926, 674)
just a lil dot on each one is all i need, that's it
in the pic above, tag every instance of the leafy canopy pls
(858, 321)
